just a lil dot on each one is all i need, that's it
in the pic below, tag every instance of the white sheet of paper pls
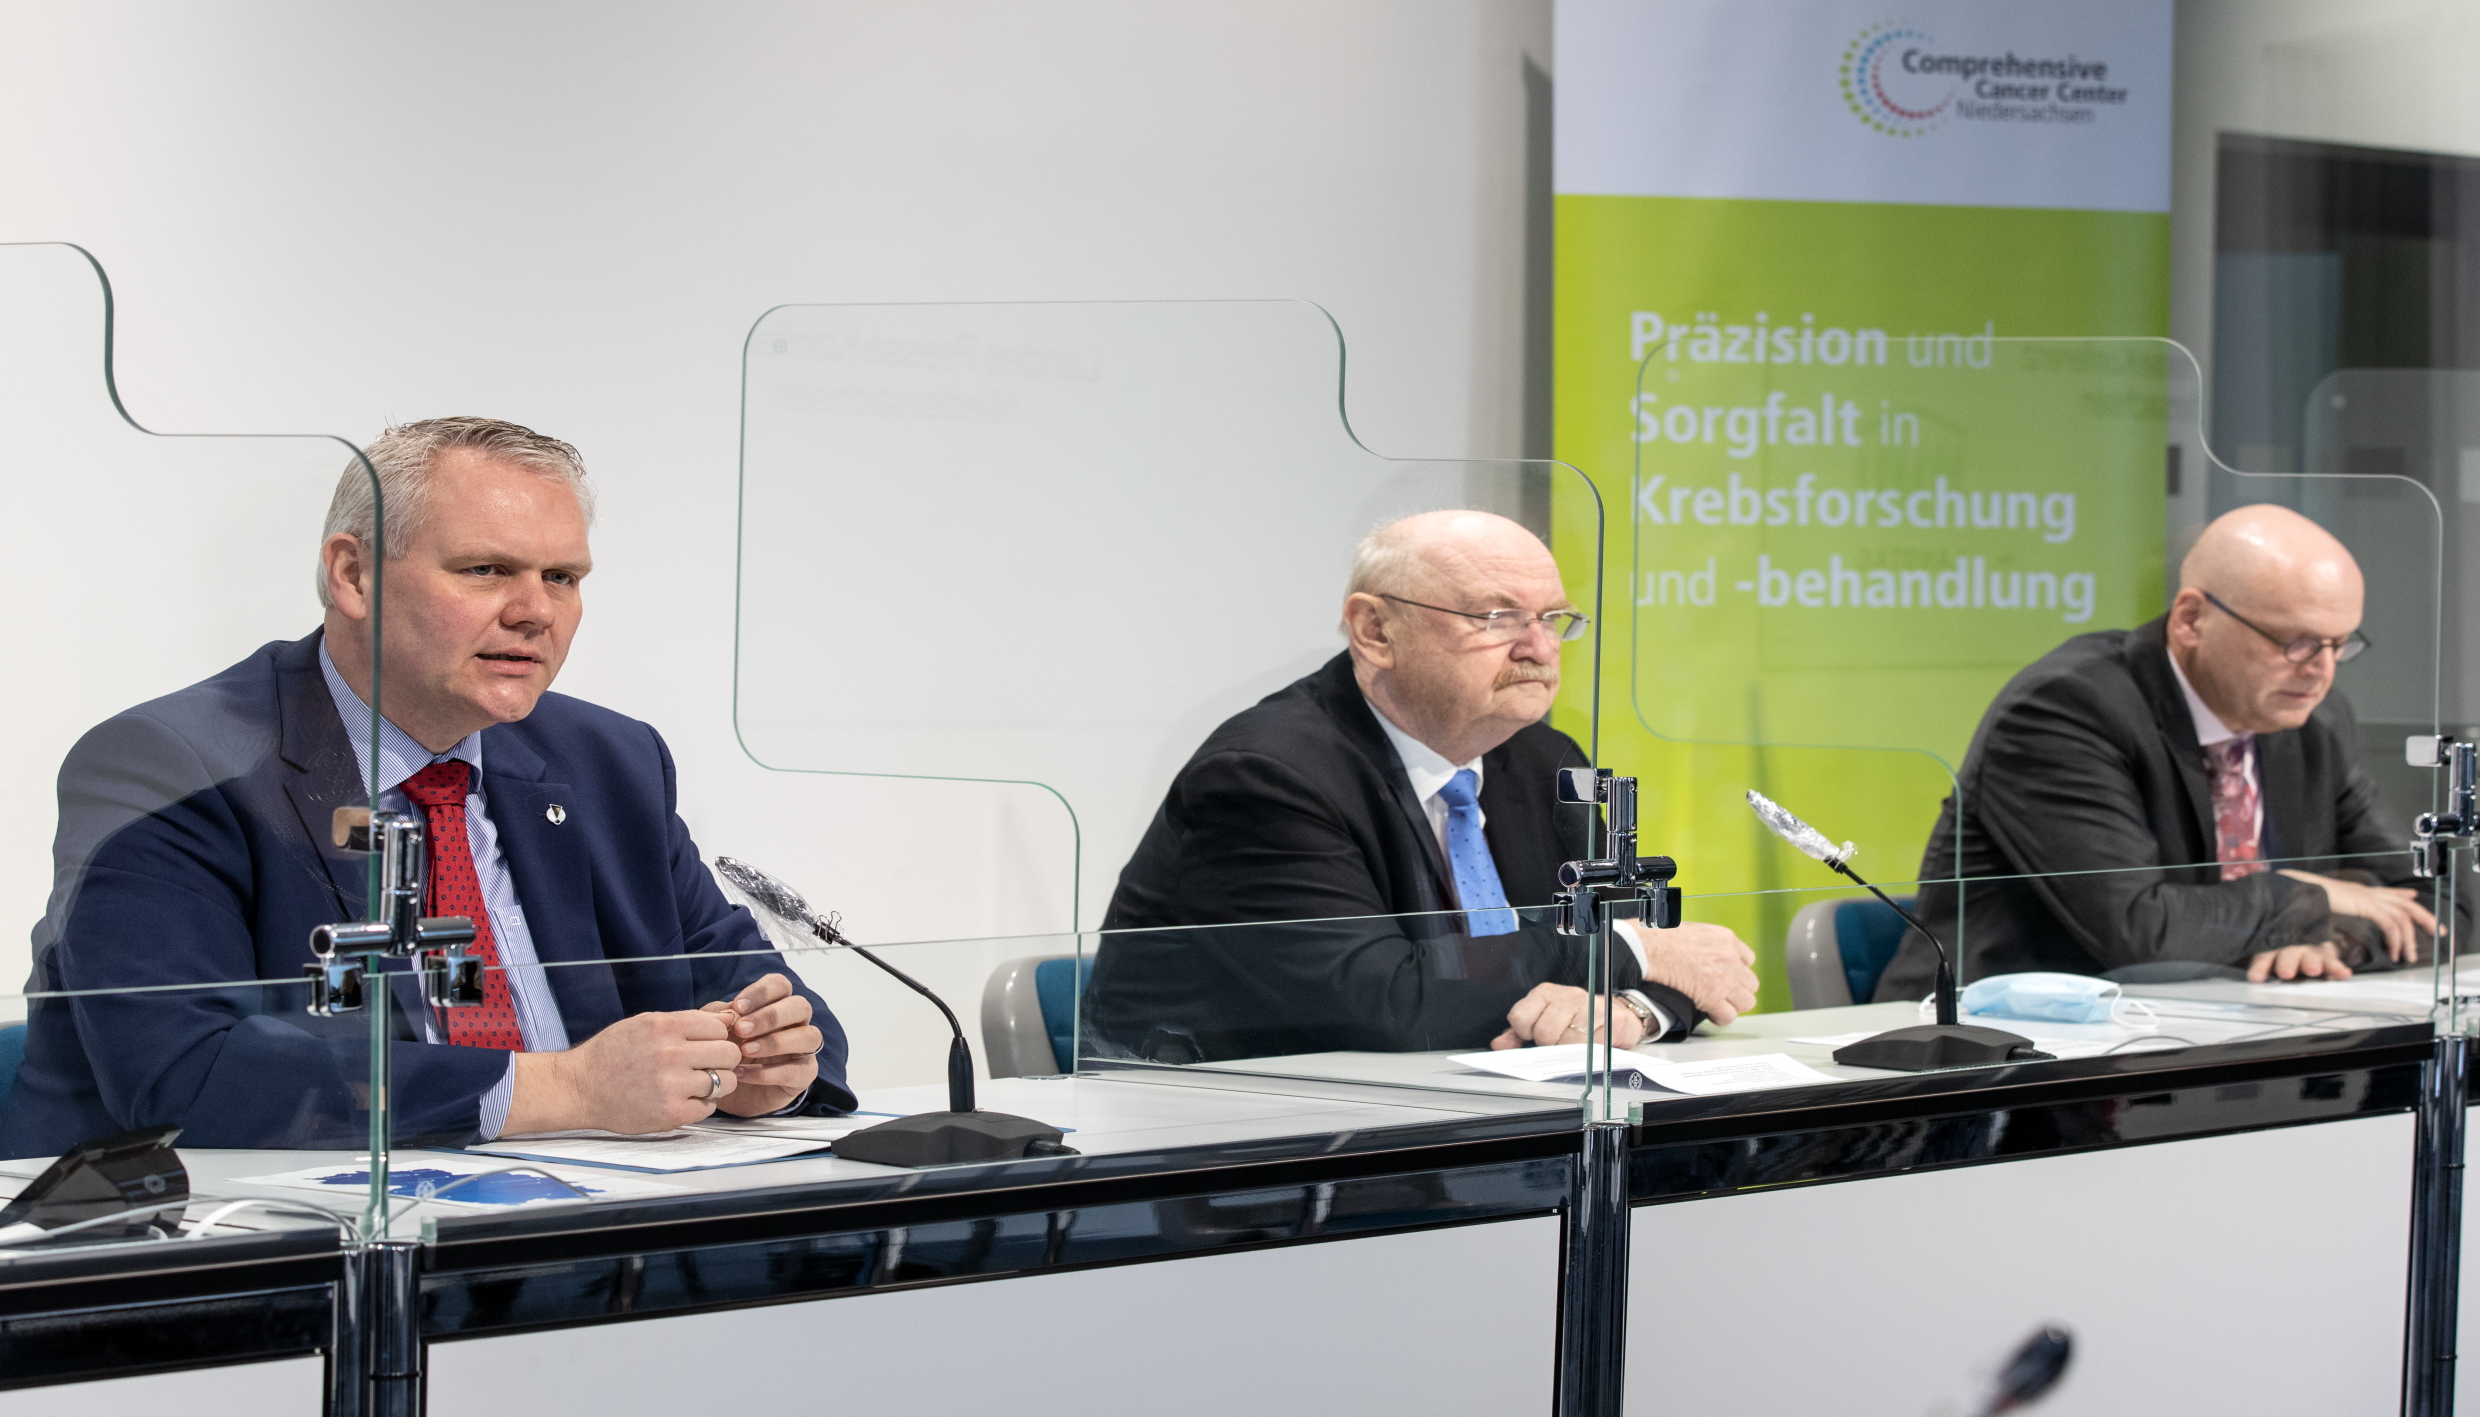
(1556, 1063)
(717, 1141)
(411, 1171)
(1568, 1061)
(687, 1149)
(2384, 989)
(1744, 1074)
(815, 1128)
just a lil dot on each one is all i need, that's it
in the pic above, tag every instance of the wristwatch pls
(1648, 1017)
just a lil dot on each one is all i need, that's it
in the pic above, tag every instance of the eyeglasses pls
(2306, 647)
(1501, 626)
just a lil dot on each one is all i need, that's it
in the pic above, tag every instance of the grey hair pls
(404, 457)
(1387, 562)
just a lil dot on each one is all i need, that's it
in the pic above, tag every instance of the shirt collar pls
(400, 757)
(2209, 726)
(1427, 768)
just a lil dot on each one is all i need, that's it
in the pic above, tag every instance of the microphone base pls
(950, 1138)
(1930, 1047)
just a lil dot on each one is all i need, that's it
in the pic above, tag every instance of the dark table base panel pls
(646, 1284)
(75, 1313)
(127, 1340)
(1919, 1127)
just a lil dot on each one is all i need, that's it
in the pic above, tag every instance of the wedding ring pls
(714, 1086)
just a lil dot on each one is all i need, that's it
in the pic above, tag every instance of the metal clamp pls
(1620, 885)
(451, 974)
(2437, 835)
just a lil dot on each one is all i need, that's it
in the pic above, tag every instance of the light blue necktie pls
(1468, 853)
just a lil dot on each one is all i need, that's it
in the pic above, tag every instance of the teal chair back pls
(1057, 983)
(12, 1053)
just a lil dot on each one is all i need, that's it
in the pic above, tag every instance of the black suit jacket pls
(1299, 810)
(2088, 762)
(193, 850)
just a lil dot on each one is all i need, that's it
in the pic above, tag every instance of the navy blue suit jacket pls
(194, 850)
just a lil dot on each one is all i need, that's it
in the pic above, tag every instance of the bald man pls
(1411, 777)
(2185, 797)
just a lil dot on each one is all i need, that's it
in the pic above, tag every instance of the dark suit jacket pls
(2088, 762)
(193, 849)
(1298, 809)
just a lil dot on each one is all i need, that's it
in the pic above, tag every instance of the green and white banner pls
(1832, 290)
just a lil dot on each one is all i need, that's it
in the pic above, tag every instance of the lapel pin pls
(556, 813)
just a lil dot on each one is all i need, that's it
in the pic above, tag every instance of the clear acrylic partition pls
(168, 852)
(1144, 514)
(1839, 552)
(1144, 518)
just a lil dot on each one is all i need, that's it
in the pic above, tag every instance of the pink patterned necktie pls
(2234, 808)
(456, 889)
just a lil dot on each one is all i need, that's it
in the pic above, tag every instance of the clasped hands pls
(650, 1072)
(1707, 963)
(2394, 910)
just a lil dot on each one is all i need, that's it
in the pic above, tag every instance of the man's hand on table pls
(654, 1072)
(1559, 1013)
(1707, 963)
(778, 1046)
(646, 1073)
(2394, 910)
(2299, 961)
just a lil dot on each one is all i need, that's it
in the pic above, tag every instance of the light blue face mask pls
(2056, 998)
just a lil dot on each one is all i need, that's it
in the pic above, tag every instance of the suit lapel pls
(2282, 775)
(1349, 708)
(553, 870)
(2147, 658)
(323, 776)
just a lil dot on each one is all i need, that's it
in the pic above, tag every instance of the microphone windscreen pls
(1808, 839)
(778, 898)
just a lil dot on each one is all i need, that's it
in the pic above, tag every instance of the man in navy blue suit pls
(624, 992)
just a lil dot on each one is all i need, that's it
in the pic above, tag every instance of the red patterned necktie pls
(456, 889)
(2234, 808)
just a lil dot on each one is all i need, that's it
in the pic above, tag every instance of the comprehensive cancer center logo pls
(1889, 95)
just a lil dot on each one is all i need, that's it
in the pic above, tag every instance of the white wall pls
(321, 218)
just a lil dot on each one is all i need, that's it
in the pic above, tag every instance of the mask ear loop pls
(2122, 1006)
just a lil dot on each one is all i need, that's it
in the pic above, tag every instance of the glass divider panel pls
(179, 771)
(1146, 516)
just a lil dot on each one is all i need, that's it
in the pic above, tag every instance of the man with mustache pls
(2183, 799)
(194, 854)
(1410, 777)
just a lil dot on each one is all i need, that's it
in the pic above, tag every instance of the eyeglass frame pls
(1490, 617)
(2343, 648)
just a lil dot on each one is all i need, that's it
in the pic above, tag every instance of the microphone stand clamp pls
(439, 945)
(1619, 885)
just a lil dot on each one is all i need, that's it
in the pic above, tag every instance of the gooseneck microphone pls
(1944, 1044)
(1812, 843)
(962, 1132)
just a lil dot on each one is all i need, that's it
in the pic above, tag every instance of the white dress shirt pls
(1430, 771)
(2211, 730)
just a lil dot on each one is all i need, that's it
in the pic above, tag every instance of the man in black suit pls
(1410, 777)
(2137, 793)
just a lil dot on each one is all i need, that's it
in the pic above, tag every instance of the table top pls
(1125, 1121)
(2185, 1015)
